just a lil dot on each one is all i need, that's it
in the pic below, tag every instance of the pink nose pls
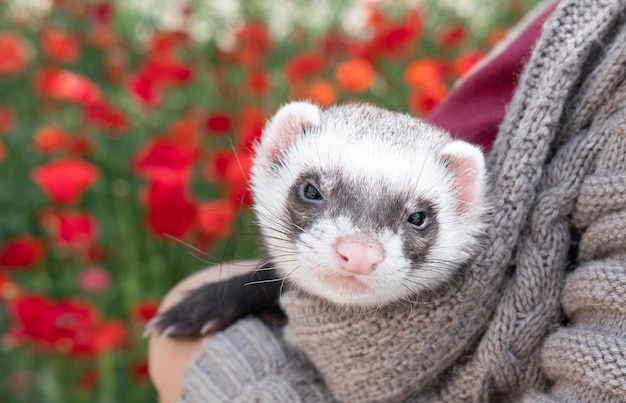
(359, 256)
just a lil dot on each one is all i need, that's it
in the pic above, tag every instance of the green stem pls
(106, 373)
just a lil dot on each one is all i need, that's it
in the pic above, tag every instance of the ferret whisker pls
(272, 280)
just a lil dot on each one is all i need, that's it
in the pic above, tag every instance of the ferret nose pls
(359, 256)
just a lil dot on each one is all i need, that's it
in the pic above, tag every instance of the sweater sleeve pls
(586, 359)
(249, 362)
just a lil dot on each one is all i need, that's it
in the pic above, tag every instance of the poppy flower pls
(155, 75)
(304, 65)
(21, 252)
(51, 139)
(251, 123)
(51, 324)
(59, 45)
(259, 82)
(65, 180)
(423, 72)
(215, 218)
(71, 231)
(425, 98)
(254, 42)
(356, 75)
(140, 372)
(106, 336)
(69, 326)
(170, 210)
(452, 36)
(165, 43)
(219, 122)
(3, 152)
(106, 116)
(464, 63)
(7, 119)
(164, 156)
(322, 93)
(15, 54)
(391, 38)
(64, 85)
(144, 310)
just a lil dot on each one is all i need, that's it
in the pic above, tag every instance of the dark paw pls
(213, 307)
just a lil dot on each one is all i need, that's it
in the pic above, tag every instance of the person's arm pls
(168, 359)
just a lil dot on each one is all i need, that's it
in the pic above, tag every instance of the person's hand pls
(168, 359)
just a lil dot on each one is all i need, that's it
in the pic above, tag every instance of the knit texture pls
(558, 178)
(251, 363)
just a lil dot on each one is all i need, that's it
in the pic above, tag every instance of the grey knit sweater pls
(558, 178)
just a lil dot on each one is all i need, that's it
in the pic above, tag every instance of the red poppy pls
(466, 61)
(140, 372)
(165, 43)
(215, 218)
(170, 210)
(259, 82)
(80, 144)
(145, 91)
(7, 119)
(186, 129)
(15, 54)
(219, 122)
(60, 45)
(71, 231)
(254, 42)
(164, 156)
(103, 12)
(356, 75)
(106, 117)
(155, 75)
(391, 38)
(423, 72)
(425, 98)
(322, 93)
(304, 65)
(452, 36)
(51, 139)
(21, 252)
(143, 311)
(106, 336)
(251, 123)
(64, 85)
(67, 326)
(65, 180)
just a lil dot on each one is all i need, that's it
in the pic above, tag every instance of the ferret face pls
(361, 206)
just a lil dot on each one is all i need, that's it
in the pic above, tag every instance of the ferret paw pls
(200, 313)
(215, 306)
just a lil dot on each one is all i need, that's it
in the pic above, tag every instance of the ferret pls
(356, 205)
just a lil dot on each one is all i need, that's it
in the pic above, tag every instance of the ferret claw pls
(211, 326)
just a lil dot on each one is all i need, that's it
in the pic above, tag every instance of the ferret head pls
(362, 206)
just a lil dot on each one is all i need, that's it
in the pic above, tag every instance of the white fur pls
(411, 164)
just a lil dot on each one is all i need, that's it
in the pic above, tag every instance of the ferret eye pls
(310, 192)
(418, 219)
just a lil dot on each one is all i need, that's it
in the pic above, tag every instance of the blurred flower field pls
(123, 161)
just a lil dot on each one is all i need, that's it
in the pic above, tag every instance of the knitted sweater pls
(540, 318)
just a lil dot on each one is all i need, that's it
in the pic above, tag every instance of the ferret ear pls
(466, 163)
(290, 121)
